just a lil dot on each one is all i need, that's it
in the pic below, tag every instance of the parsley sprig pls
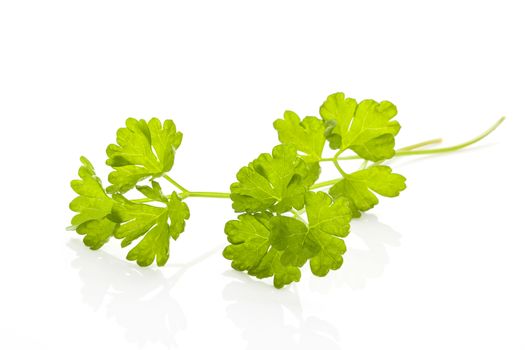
(285, 220)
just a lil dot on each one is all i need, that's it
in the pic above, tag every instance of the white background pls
(440, 267)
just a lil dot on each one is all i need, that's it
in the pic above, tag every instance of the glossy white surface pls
(440, 267)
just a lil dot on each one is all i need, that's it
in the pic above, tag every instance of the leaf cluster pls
(144, 150)
(283, 223)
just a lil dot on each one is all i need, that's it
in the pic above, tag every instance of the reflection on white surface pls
(137, 299)
(141, 302)
(273, 319)
(365, 262)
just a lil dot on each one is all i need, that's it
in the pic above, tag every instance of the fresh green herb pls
(283, 223)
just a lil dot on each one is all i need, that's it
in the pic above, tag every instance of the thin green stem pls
(187, 194)
(205, 194)
(408, 151)
(142, 200)
(175, 183)
(415, 146)
(325, 183)
(336, 163)
(456, 147)
(420, 144)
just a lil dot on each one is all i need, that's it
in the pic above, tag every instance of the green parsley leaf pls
(319, 239)
(358, 186)
(328, 221)
(292, 237)
(313, 171)
(366, 128)
(251, 251)
(277, 182)
(137, 220)
(93, 206)
(306, 135)
(265, 245)
(97, 232)
(145, 149)
(154, 192)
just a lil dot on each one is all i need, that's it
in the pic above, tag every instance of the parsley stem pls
(142, 200)
(176, 184)
(420, 144)
(412, 147)
(409, 150)
(187, 194)
(205, 194)
(455, 147)
(336, 163)
(325, 183)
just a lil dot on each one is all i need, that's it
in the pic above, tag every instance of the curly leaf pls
(366, 128)
(154, 192)
(251, 251)
(93, 206)
(144, 149)
(137, 220)
(276, 181)
(306, 135)
(318, 240)
(265, 245)
(358, 186)
(328, 220)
